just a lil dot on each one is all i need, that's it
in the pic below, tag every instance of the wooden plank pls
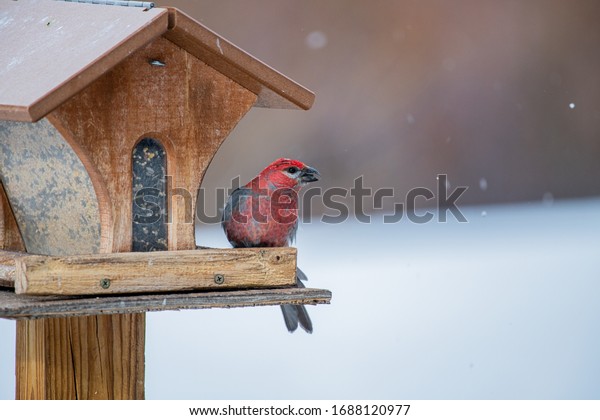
(146, 272)
(274, 90)
(14, 306)
(8, 267)
(7, 276)
(10, 239)
(10, 236)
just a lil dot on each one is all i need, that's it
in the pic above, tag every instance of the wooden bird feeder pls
(109, 118)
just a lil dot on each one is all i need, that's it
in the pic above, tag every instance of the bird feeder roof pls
(54, 49)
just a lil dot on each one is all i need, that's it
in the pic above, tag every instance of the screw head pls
(219, 278)
(105, 283)
(157, 63)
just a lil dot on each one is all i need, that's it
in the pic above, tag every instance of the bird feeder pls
(109, 118)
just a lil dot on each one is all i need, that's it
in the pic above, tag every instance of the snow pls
(502, 307)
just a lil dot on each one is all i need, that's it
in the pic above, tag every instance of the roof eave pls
(274, 90)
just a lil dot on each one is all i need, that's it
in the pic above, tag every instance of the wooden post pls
(92, 357)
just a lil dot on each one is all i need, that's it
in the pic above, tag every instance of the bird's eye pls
(292, 170)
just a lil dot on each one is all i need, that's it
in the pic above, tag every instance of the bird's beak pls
(309, 174)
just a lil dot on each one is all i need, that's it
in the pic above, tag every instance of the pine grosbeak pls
(264, 213)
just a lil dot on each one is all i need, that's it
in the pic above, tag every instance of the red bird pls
(264, 213)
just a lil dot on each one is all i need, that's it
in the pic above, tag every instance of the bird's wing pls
(233, 203)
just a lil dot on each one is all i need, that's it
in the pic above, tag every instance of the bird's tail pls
(295, 315)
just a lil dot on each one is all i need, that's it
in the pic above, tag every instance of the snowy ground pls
(506, 306)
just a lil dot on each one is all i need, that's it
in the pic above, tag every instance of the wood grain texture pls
(7, 276)
(10, 236)
(273, 89)
(146, 272)
(31, 360)
(186, 105)
(14, 306)
(65, 358)
(79, 357)
(8, 267)
(10, 239)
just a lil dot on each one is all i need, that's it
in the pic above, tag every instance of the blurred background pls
(504, 98)
(501, 96)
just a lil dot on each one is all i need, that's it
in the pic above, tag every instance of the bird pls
(264, 213)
